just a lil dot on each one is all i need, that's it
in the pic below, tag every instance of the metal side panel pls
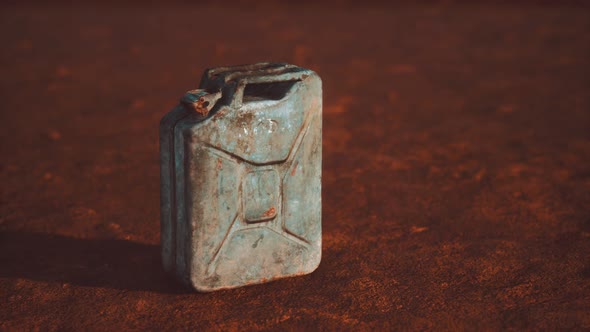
(167, 187)
(181, 222)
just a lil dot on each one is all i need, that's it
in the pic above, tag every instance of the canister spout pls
(200, 100)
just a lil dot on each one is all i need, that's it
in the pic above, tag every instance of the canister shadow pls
(110, 263)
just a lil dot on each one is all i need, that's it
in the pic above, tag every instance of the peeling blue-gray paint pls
(241, 177)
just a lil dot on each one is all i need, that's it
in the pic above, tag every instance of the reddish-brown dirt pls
(456, 171)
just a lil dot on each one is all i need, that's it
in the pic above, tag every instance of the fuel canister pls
(241, 177)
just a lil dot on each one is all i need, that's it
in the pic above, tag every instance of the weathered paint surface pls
(241, 177)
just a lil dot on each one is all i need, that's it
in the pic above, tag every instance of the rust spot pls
(218, 115)
(269, 213)
(219, 164)
(201, 106)
(294, 170)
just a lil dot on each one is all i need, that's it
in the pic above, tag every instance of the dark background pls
(456, 170)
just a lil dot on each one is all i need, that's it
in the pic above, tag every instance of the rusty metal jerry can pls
(241, 177)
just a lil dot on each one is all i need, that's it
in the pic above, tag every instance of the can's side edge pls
(167, 185)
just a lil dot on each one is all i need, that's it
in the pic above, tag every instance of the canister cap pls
(200, 100)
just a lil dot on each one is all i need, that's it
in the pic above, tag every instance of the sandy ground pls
(456, 172)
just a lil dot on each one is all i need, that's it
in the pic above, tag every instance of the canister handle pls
(238, 97)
